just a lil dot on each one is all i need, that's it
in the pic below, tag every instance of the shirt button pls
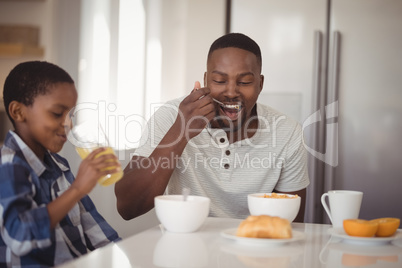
(222, 140)
(226, 166)
(227, 152)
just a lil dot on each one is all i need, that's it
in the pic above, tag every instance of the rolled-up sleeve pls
(294, 174)
(97, 230)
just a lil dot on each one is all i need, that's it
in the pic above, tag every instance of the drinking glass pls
(87, 137)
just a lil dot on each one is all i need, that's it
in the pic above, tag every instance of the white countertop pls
(156, 247)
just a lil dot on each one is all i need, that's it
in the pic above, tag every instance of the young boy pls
(46, 216)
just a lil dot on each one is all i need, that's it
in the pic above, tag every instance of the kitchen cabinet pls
(19, 40)
(20, 50)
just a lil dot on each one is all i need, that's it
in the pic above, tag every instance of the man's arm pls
(143, 177)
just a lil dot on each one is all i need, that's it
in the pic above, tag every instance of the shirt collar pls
(14, 142)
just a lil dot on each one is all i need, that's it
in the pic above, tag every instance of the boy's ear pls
(17, 111)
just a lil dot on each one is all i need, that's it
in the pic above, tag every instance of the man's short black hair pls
(29, 79)
(237, 40)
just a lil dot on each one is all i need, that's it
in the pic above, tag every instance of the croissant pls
(264, 226)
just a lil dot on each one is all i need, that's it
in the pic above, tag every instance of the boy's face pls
(234, 76)
(44, 125)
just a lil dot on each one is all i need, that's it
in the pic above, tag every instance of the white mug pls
(344, 205)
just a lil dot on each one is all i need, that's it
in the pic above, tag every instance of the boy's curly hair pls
(29, 79)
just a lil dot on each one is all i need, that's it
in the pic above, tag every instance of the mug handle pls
(324, 204)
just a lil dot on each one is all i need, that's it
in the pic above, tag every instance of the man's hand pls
(195, 111)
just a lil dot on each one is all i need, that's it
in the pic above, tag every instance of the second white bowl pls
(286, 208)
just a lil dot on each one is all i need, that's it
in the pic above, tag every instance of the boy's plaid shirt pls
(27, 185)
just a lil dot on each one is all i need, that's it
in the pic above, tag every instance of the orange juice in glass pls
(109, 178)
(87, 138)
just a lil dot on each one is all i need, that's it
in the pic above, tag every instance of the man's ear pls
(261, 82)
(17, 111)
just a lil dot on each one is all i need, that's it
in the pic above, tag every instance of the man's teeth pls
(232, 106)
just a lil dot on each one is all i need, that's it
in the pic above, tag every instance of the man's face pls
(234, 77)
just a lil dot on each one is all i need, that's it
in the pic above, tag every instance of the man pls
(218, 142)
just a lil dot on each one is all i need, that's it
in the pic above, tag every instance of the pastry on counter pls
(265, 226)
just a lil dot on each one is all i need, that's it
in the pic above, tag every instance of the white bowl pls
(286, 208)
(179, 216)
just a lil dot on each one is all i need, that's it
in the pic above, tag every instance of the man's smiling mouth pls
(232, 113)
(231, 110)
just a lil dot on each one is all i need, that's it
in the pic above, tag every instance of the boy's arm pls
(92, 220)
(24, 223)
(91, 169)
(143, 177)
(59, 207)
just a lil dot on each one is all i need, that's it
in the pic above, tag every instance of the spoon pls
(185, 192)
(228, 106)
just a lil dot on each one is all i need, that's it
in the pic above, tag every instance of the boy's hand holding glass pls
(97, 164)
(99, 159)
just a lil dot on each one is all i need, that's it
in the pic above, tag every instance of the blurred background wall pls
(127, 56)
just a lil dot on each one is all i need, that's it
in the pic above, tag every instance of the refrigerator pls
(336, 67)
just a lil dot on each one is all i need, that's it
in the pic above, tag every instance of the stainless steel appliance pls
(336, 66)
